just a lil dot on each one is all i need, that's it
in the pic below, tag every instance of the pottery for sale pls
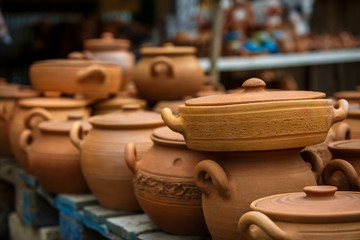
(163, 183)
(317, 213)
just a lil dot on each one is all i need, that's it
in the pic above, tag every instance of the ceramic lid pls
(167, 49)
(71, 63)
(64, 126)
(346, 147)
(118, 102)
(52, 103)
(17, 91)
(348, 95)
(254, 91)
(165, 134)
(315, 204)
(106, 42)
(131, 117)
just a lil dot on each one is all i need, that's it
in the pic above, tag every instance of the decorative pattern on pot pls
(102, 153)
(319, 213)
(164, 186)
(52, 158)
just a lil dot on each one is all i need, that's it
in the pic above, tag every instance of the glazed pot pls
(319, 213)
(255, 119)
(33, 110)
(168, 73)
(102, 153)
(52, 157)
(344, 171)
(10, 94)
(164, 186)
(232, 180)
(75, 76)
(114, 50)
(115, 104)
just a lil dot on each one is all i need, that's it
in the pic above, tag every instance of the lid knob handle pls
(320, 191)
(107, 35)
(75, 116)
(131, 107)
(254, 84)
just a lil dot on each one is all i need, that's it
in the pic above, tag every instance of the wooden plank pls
(75, 201)
(98, 214)
(28, 179)
(129, 227)
(167, 236)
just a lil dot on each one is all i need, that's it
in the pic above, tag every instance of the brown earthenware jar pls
(164, 186)
(33, 110)
(102, 153)
(344, 171)
(168, 73)
(10, 94)
(110, 49)
(317, 213)
(52, 157)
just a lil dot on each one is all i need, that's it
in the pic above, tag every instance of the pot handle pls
(346, 168)
(131, 157)
(317, 164)
(209, 174)
(343, 132)
(5, 117)
(77, 134)
(174, 123)
(95, 72)
(341, 112)
(25, 139)
(45, 114)
(169, 69)
(263, 222)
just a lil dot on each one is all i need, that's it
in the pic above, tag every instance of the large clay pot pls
(114, 50)
(33, 110)
(168, 73)
(319, 213)
(256, 119)
(344, 171)
(52, 157)
(232, 180)
(164, 186)
(10, 94)
(102, 154)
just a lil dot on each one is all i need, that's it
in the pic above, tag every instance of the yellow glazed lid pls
(167, 49)
(106, 42)
(254, 91)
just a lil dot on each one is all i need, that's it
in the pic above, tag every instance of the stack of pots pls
(256, 137)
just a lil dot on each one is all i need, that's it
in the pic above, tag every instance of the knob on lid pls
(106, 42)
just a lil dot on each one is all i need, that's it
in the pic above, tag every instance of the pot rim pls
(52, 103)
(346, 150)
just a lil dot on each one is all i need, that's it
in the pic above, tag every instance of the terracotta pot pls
(102, 154)
(110, 49)
(52, 158)
(115, 105)
(255, 119)
(33, 110)
(344, 170)
(10, 94)
(319, 213)
(168, 73)
(233, 180)
(75, 76)
(164, 186)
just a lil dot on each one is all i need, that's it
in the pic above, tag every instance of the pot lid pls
(165, 134)
(52, 103)
(167, 49)
(346, 147)
(17, 91)
(70, 63)
(118, 102)
(315, 204)
(106, 42)
(254, 91)
(64, 126)
(131, 117)
(348, 95)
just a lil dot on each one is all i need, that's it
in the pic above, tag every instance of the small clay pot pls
(102, 153)
(52, 158)
(164, 186)
(317, 213)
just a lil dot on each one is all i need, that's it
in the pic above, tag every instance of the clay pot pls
(102, 153)
(232, 180)
(75, 76)
(168, 73)
(115, 105)
(319, 213)
(52, 158)
(110, 49)
(256, 119)
(164, 186)
(10, 94)
(33, 110)
(344, 170)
